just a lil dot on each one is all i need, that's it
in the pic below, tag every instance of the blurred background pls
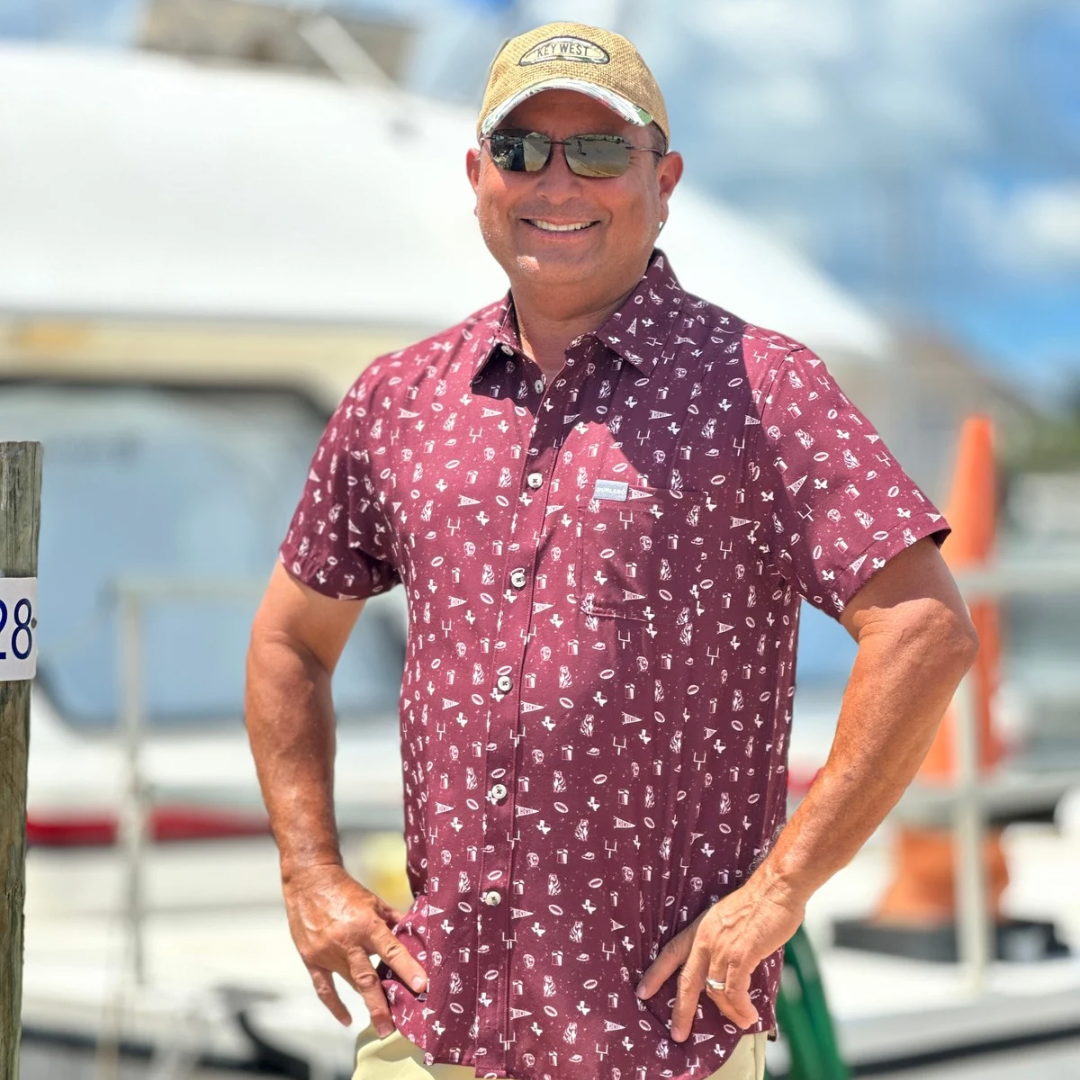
(214, 213)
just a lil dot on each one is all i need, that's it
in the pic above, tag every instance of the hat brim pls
(625, 108)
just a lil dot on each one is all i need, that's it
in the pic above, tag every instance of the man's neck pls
(546, 330)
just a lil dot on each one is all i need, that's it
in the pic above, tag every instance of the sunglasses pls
(598, 156)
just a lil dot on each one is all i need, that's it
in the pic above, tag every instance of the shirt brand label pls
(575, 49)
(611, 489)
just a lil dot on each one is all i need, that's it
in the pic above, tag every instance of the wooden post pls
(20, 514)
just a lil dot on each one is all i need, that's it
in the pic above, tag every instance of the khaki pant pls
(397, 1058)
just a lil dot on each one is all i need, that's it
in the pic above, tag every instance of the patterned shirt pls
(604, 573)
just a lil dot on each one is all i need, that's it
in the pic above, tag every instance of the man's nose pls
(555, 180)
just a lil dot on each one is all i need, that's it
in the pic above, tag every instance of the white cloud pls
(905, 79)
(1035, 229)
(1047, 220)
(822, 29)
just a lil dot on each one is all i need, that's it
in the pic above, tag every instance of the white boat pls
(181, 305)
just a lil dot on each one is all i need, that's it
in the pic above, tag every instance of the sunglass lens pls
(506, 152)
(520, 153)
(536, 149)
(598, 155)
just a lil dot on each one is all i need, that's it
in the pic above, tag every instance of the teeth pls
(549, 227)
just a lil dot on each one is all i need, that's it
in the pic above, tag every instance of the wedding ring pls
(714, 984)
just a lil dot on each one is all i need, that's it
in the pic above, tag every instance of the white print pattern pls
(597, 695)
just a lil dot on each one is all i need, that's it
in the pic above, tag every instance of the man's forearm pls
(290, 722)
(902, 681)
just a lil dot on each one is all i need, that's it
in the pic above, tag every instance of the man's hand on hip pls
(337, 924)
(726, 943)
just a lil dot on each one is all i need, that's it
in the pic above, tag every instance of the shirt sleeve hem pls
(325, 579)
(878, 552)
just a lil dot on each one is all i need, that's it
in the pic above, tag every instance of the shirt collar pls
(636, 332)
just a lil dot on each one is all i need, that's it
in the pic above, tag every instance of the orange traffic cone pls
(923, 890)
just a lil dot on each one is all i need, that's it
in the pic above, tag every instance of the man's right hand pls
(296, 641)
(336, 924)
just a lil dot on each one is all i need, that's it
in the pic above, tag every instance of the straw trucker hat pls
(571, 56)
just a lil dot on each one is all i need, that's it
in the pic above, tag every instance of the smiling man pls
(606, 499)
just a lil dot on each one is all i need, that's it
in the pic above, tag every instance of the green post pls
(802, 1015)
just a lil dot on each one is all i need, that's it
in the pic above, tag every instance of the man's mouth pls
(554, 226)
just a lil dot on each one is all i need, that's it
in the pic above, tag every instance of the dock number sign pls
(18, 628)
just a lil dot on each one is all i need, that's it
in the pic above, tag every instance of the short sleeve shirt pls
(603, 572)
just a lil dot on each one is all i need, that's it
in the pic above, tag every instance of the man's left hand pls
(726, 942)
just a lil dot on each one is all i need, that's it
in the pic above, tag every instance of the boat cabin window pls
(175, 485)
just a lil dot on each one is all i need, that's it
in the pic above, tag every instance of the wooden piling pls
(20, 515)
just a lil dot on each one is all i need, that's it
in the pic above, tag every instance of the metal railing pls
(967, 803)
(134, 596)
(177, 1058)
(974, 796)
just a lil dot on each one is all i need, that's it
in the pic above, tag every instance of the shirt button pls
(503, 683)
(506, 349)
(498, 791)
(534, 480)
(492, 898)
(517, 578)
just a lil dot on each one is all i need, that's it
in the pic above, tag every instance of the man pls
(604, 498)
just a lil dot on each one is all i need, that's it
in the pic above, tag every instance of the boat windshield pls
(144, 483)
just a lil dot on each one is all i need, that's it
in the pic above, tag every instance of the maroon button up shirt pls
(603, 574)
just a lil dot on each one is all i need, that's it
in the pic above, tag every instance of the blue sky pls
(926, 153)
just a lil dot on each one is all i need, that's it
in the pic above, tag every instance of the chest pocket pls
(640, 559)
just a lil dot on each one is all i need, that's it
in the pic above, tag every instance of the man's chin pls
(555, 269)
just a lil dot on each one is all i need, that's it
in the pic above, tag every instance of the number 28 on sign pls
(18, 623)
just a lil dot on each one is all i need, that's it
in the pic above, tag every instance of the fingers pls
(695, 955)
(691, 982)
(734, 1000)
(397, 957)
(337, 925)
(671, 956)
(366, 980)
(323, 981)
(392, 917)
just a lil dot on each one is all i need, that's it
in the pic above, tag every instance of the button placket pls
(494, 917)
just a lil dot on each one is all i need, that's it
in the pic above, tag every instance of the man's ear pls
(669, 171)
(472, 166)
